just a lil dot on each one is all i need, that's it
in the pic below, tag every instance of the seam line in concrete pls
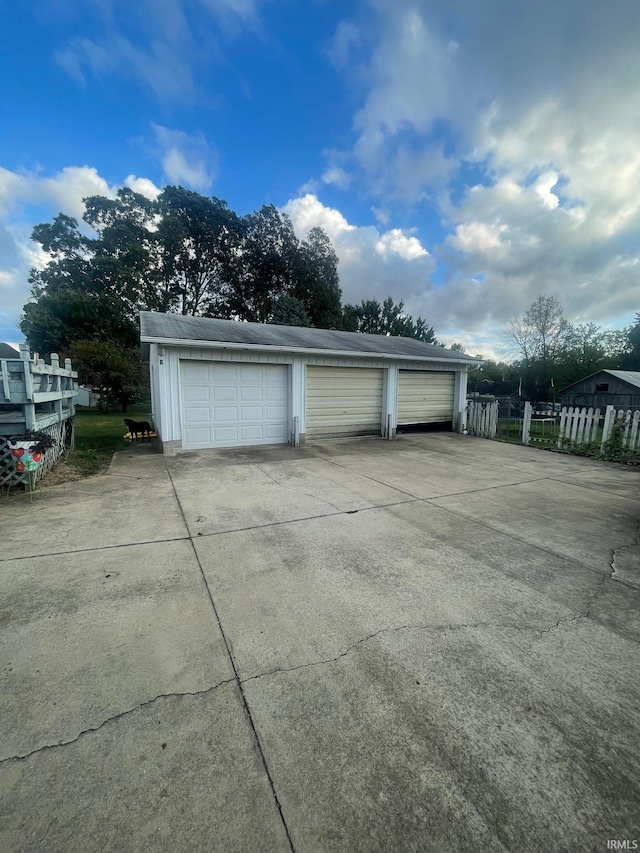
(593, 488)
(118, 716)
(369, 477)
(506, 533)
(293, 488)
(97, 548)
(236, 678)
(308, 518)
(435, 497)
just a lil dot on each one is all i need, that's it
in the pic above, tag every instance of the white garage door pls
(232, 405)
(343, 401)
(424, 397)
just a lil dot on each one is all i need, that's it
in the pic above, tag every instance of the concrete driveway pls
(429, 644)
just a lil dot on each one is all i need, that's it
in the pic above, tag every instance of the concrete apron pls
(428, 644)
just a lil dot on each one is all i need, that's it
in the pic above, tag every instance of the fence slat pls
(608, 424)
(482, 418)
(633, 438)
(526, 423)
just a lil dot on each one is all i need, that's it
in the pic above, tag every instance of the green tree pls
(289, 311)
(537, 338)
(128, 253)
(115, 373)
(587, 348)
(388, 318)
(267, 265)
(317, 283)
(54, 321)
(630, 357)
(200, 240)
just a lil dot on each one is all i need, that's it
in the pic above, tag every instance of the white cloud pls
(64, 190)
(547, 120)
(337, 177)
(20, 192)
(186, 159)
(372, 263)
(396, 242)
(170, 54)
(345, 39)
(143, 186)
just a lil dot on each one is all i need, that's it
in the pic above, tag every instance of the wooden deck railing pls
(34, 396)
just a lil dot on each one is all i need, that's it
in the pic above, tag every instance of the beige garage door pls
(343, 401)
(226, 404)
(425, 397)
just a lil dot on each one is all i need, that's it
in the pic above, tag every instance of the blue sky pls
(463, 157)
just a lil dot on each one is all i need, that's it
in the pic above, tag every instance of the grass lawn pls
(98, 436)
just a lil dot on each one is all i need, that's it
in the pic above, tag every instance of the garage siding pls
(343, 401)
(226, 404)
(425, 397)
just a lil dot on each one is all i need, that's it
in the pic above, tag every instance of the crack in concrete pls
(416, 627)
(111, 719)
(586, 614)
(612, 564)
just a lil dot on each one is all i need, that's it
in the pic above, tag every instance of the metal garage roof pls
(177, 329)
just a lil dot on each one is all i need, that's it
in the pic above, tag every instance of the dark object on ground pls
(138, 428)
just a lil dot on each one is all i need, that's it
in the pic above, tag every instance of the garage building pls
(221, 383)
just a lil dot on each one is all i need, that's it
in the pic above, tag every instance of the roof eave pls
(185, 342)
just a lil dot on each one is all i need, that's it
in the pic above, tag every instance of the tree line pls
(189, 254)
(550, 353)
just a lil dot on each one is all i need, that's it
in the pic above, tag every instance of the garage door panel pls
(221, 373)
(251, 373)
(251, 433)
(197, 394)
(198, 434)
(224, 434)
(228, 414)
(343, 401)
(425, 397)
(192, 371)
(224, 393)
(192, 415)
(252, 393)
(250, 413)
(274, 394)
(225, 405)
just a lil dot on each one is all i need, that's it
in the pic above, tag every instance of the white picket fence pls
(482, 419)
(629, 422)
(580, 426)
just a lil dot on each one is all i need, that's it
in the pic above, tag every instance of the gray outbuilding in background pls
(619, 388)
